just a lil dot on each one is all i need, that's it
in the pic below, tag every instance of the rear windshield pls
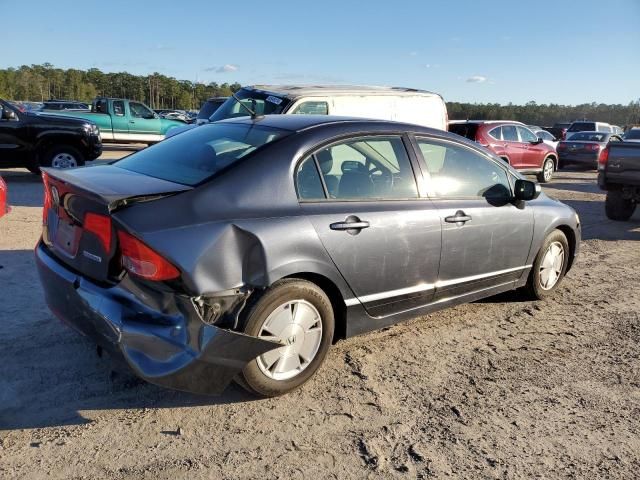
(260, 103)
(467, 130)
(196, 155)
(582, 126)
(589, 137)
(209, 107)
(632, 134)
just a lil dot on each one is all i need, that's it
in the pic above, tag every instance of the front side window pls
(364, 168)
(195, 156)
(526, 135)
(138, 110)
(457, 171)
(312, 108)
(509, 133)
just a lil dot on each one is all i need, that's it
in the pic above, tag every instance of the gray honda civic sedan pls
(242, 249)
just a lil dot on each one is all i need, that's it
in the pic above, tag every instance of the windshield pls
(590, 137)
(632, 134)
(260, 103)
(196, 155)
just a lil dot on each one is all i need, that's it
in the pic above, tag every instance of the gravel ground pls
(502, 388)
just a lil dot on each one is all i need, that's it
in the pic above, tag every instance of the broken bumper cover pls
(175, 350)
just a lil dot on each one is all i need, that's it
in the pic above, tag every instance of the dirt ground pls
(502, 388)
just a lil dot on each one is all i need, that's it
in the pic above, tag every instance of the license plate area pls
(66, 237)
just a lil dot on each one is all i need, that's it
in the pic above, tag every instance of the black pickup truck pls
(619, 175)
(32, 140)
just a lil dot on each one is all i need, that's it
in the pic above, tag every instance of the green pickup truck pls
(125, 121)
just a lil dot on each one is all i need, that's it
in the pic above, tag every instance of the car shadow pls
(51, 375)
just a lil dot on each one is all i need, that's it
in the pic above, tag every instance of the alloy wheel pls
(548, 170)
(297, 325)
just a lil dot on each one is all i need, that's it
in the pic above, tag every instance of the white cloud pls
(413, 54)
(227, 68)
(477, 79)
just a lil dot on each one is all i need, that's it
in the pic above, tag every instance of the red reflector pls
(603, 158)
(594, 147)
(561, 146)
(140, 260)
(100, 226)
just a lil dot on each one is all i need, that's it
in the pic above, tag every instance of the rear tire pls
(617, 207)
(62, 156)
(549, 267)
(548, 166)
(300, 315)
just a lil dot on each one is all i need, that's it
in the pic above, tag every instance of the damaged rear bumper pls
(169, 346)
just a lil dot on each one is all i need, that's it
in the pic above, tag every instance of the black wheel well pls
(571, 239)
(337, 301)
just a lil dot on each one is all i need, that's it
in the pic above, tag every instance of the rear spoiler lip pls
(113, 200)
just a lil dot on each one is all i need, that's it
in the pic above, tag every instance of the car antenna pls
(254, 115)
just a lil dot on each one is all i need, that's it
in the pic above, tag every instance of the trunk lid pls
(78, 226)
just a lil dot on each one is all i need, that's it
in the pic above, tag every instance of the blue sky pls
(473, 51)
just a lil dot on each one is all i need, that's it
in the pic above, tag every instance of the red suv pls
(514, 143)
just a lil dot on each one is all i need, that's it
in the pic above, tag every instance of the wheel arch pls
(335, 296)
(571, 240)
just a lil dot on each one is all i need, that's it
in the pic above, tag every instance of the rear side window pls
(467, 130)
(312, 108)
(526, 135)
(196, 155)
(582, 127)
(365, 168)
(496, 133)
(308, 181)
(118, 108)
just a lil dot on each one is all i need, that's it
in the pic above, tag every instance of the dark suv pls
(514, 143)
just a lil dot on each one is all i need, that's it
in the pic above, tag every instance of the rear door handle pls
(352, 225)
(349, 225)
(459, 218)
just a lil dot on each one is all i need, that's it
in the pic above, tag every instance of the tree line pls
(42, 82)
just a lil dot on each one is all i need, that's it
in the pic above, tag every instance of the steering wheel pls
(385, 175)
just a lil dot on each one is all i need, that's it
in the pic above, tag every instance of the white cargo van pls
(384, 103)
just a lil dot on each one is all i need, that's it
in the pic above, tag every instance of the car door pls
(532, 153)
(383, 237)
(144, 125)
(13, 136)
(119, 121)
(485, 237)
(512, 146)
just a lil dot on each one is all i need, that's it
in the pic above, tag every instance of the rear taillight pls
(593, 147)
(47, 198)
(603, 158)
(561, 146)
(100, 226)
(140, 260)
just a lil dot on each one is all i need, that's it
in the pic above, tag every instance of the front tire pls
(62, 156)
(298, 314)
(547, 171)
(549, 267)
(617, 207)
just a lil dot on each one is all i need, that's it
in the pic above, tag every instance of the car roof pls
(486, 122)
(292, 91)
(300, 122)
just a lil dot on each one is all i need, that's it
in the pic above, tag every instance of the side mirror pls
(526, 190)
(537, 141)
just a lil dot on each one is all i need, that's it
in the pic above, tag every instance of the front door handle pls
(459, 218)
(351, 224)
